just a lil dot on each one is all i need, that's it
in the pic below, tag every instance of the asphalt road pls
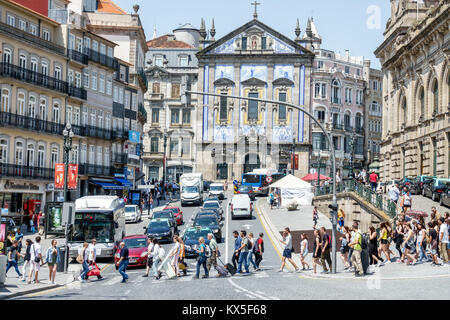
(267, 284)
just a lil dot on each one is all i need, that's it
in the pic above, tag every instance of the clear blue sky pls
(343, 24)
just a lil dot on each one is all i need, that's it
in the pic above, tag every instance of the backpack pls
(363, 241)
(207, 251)
(249, 244)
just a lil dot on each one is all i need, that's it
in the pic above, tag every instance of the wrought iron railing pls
(77, 92)
(78, 56)
(30, 123)
(378, 200)
(26, 172)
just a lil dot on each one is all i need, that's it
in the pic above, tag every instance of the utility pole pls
(293, 156)
(68, 135)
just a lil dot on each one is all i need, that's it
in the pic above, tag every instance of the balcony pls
(26, 172)
(96, 132)
(133, 159)
(32, 77)
(359, 130)
(157, 156)
(348, 128)
(92, 169)
(130, 114)
(120, 134)
(102, 59)
(143, 77)
(118, 110)
(156, 96)
(78, 56)
(120, 158)
(29, 123)
(77, 92)
(338, 126)
(21, 36)
(142, 112)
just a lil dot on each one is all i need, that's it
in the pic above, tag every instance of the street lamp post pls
(334, 205)
(352, 152)
(163, 192)
(293, 156)
(68, 135)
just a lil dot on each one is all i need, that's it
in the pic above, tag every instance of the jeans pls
(398, 245)
(243, 258)
(374, 186)
(250, 260)
(201, 262)
(422, 254)
(156, 261)
(235, 259)
(13, 263)
(85, 270)
(258, 258)
(122, 270)
(350, 253)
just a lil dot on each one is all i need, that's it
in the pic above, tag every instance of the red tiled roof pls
(164, 42)
(107, 6)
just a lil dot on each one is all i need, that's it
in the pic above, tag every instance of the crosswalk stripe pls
(113, 281)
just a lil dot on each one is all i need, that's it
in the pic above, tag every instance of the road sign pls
(269, 179)
(235, 182)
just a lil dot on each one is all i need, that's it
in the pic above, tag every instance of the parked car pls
(133, 213)
(178, 214)
(435, 188)
(390, 184)
(406, 182)
(445, 198)
(248, 190)
(137, 247)
(418, 182)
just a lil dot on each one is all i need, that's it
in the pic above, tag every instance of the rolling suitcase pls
(230, 268)
(223, 272)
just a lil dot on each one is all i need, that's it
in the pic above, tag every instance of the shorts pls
(345, 249)
(304, 254)
(150, 262)
(287, 253)
(411, 249)
(35, 266)
(406, 206)
(448, 245)
(51, 264)
(384, 241)
(341, 223)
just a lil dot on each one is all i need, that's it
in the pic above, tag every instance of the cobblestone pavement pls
(422, 203)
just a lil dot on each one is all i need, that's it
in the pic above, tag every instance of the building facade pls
(373, 114)
(171, 125)
(416, 80)
(33, 100)
(237, 136)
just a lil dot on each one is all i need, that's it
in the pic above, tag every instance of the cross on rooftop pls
(256, 3)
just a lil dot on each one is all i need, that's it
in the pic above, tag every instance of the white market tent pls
(294, 189)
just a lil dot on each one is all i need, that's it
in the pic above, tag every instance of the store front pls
(175, 172)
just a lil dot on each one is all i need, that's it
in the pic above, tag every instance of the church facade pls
(236, 136)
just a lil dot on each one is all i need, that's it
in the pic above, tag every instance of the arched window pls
(405, 110)
(43, 109)
(5, 100)
(19, 153)
(23, 61)
(358, 121)
(55, 156)
(7, 55)
(55, 113)
(20, 104)
(41, 157)
(347, 121)
(335, 91)
(435, 97)
(30, 155)
(422, 102)
(32, 106)
(3, 151)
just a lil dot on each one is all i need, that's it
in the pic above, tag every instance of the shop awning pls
(106, 185)
(124, 182)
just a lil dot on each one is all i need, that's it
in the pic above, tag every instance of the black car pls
(248, 190)
(190, 239)
(160, 229)
(435, 188)
(445, 198)
(208, 205)
(166, 214)
(205, 212)
(209, 221)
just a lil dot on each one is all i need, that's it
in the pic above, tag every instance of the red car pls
(177, 213)
(137, 247)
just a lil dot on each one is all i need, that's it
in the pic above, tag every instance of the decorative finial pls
(202, 30)
(136, 8)
(297, 30)
(309, 29)
(212, 32)
(154, 33)
(255, 15)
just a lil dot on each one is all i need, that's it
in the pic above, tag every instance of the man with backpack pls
(243, 256)
(326, 250)
(357, 249)
(258, 250)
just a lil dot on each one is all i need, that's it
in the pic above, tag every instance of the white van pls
(216, 189)
(241, 206)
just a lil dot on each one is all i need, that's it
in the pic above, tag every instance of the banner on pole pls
(59, 176)
(72, 181)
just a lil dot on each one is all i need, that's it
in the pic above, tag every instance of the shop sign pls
(133, 136)
(59, 176)
(21, 186)
(72, 180)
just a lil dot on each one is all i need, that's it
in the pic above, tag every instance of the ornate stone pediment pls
(254, 82)
(224, 82)
(283, 82)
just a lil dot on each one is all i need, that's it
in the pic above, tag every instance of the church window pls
(282, 107)
(263, 43)
(223, 113)
(244, 43)
(252, 107)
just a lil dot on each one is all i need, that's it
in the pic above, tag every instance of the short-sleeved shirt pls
(288, 241)
(237, 243)
(35, 250)
(202, 254)
(325, 239)
(245, 241)
(124, 253)
(13, 251)
(434, 238)
(357, 246)
(150, 249)
(213, 245)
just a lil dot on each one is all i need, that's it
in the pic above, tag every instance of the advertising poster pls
(55, 215)
(72, 181)
(59, 176)
(2, 238)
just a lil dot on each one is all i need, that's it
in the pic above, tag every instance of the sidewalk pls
(275, 220)
(14, 287)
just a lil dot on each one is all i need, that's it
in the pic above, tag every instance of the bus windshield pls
(95, 225)
(251, 178)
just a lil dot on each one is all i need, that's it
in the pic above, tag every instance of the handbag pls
(80, 258)
(36, 258)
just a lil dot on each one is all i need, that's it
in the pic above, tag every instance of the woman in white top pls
(304, 250)
(407, 202)
(149, 257)
(176, 255)
(156, 258)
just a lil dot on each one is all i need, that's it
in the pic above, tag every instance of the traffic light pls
(284, 172)
(213, 153)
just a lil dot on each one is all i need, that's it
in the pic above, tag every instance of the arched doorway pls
(252, 162)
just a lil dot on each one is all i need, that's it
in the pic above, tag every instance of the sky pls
(356, 25)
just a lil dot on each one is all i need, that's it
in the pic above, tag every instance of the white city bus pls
(101, 218)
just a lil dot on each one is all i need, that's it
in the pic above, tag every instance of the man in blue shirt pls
(237, 246)
(123, 262)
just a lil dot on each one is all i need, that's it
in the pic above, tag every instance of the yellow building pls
(33, 97)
